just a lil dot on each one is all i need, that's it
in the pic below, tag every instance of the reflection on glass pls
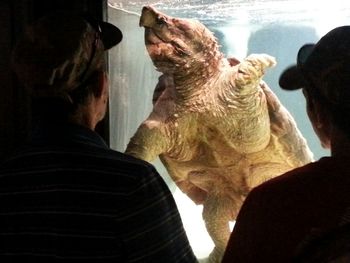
(242, 27)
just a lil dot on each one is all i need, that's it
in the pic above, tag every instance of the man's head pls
(60, 54)
(323, 71)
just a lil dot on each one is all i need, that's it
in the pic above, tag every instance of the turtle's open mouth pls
(163, 39)
(152, 37)
(155, 44)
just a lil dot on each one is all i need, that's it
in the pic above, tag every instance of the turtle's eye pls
(161, 20)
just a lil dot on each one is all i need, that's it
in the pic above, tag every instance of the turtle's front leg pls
(148, 142)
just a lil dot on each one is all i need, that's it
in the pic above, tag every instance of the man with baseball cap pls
(66, 196)
(279, 216)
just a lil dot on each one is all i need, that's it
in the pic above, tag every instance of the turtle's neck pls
(195, 84)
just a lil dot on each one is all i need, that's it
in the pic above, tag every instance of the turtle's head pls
(177, 44)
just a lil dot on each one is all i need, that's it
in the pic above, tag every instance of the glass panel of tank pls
(277, 28)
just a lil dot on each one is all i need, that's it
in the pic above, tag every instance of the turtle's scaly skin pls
(216, 126)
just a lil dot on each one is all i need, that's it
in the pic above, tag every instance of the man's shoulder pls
(280, 190)
(299, 184)
(103, 169)
(96, 158)
(298, 176)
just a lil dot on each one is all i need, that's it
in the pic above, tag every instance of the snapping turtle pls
(216, 126)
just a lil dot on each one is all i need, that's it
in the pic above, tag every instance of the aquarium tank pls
(275, 27)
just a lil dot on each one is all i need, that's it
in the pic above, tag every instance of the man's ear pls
(321, 121)
(100, 84)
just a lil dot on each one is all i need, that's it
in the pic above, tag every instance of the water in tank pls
(242, 27)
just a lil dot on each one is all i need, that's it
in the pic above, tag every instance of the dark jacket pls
(67, 197)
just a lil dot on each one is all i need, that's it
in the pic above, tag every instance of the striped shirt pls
(67, 197)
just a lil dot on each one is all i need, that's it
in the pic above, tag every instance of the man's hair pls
(58, 58)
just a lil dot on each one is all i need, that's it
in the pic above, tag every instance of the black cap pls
(110, 34)
(293, 78)
(323, 67)
(58, 52)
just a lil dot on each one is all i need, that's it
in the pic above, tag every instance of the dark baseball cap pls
(57, 53)
(323, 68)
